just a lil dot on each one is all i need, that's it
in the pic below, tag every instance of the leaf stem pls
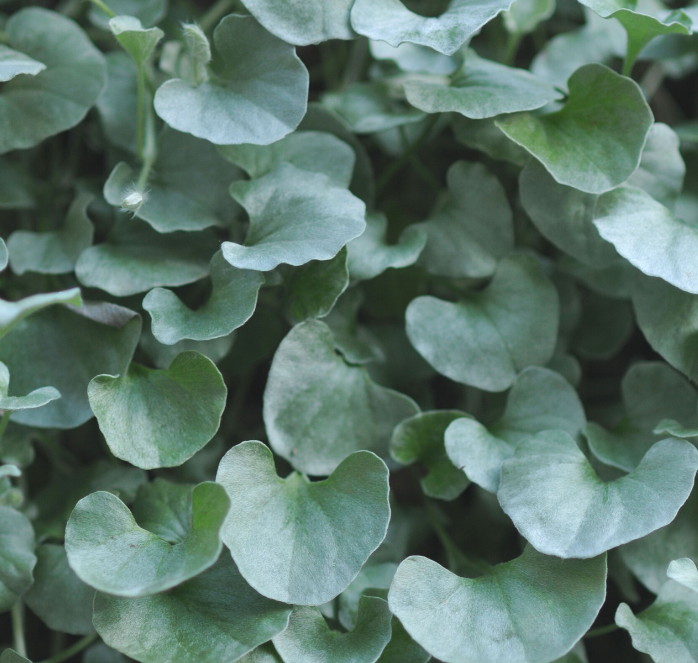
(4, 421)
(511, 48)
(147, 144)
(19, 643)
(602, 630)
(75, 648)
(104, 7)
(215, 14)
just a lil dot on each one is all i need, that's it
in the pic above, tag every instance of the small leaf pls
(530, 610)
(154, 418)
(199, 51)
(684, 571)
(136, 41)
(13, 63)
(524, 15)
(595, 142)
(258, 95)
(13, 313)
(295, 216)
(214, 617)
(17, 559)
(305, 411)
(308, 560)
(178, 537)
(562, 507)
(489, 336)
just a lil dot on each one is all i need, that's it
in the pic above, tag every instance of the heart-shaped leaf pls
(160, 418)
(214, 617)
(595, 142)
(17, 559)
(307, 387)
(12, 313)
(176, 537)
(539, 400)
(308, 559)
(487, 337)
(13, 63)
(530, 610)
(684, 571)
(258, 94)
(136, 41)
(559, 503)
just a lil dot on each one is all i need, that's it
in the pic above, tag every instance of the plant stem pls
(602, 630)
(215, 14)
(19, 644)
(4, 421)
(511, 48)
(147, 145)
(103, 7)
(356, 62)
(72, 650)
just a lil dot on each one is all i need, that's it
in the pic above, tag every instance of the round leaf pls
(17, 559)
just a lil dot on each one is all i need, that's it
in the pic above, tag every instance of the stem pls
(20, 645)
(4, 421)
(72, 650)
(602, 630)
(103, 7)
(140, 112)
(356, 63)
(511, 48)
(215, 14)
(147, 143)
(628, 65)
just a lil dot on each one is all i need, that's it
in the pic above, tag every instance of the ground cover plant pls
(348, 331)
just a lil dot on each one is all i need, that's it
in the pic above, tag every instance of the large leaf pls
(539, 400)
(57, 98)
(160, 418)
(295, 216)
(391, 21)
(559, 503)
(176, 537)
(297, 541)
(530, 610)
(67, 347)
(258, 93)
(485, 339)
(17, 559)
(305, 403)
(595, 142)
(214, 617)
(12, 313)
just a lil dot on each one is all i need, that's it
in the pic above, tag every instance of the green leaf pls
(189, 190)
(13, 63)
(53, 252)
(4, 255)
(136, 41)
(524, 15)
(305, 400)
(67, 347)
(57, 98)
(562, 507)
(297, 541)
(422, 438)
(259, 93)
(118, 103)
(402, 648)
(482, 89)
(606, 325)
(214, 617)
(295, 216)
(530, 610)
(308, 639)
(539, 400)
(100, 653)
(11, 656)
(417, 59)
(199, 51)
(160, 418)
(473, 229)
(303, 23)
(370, 254)
(178, 537)
(263, 654)
(595, 142)
(489, 336)
(371, 576)
(684, 571)
(148, 12)
(17, 559)
(486, 136)
(391, 21)
(668, 629)
(314, 151)
(58, 597)
(13, 313)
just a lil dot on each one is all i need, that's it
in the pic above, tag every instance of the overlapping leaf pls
(17, 559)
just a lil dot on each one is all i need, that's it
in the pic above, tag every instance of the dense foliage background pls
(348, 331)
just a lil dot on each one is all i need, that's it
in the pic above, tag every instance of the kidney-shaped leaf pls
(530, 610)
(559, 503)
(297, 541)
(17, 559)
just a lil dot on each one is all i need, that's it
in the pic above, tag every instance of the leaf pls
(421, 437)
(314, 151)
(178, 537)
(17, 559)
(4, 255)
(148, 12)
(539, 400)
(308, 639)
(189, 190)
(153, 418)
(57, 98)
(684, 572)
(11, 656)
(13, 63)
(53, 252)
(524, 15)
(295, 216)
(562, 507)
(58, 597)
(530, 610)
(100, 653)
(13, 313)
(258, 94)
(370, 254)
(118, 103)
(297, 541)
(486, 136)
(305, 404)
(371, 576)
(136, 41)
(214, 617)
(402, 648)
(489, 336)
(391, 21)
(231, 304)
(417, 59)
(263, 654)
(482, 89)
(198, 50)
(595, 142)
(605, 327)
(668, 629)
(66, 347)
(474, 228)
(303, 23)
